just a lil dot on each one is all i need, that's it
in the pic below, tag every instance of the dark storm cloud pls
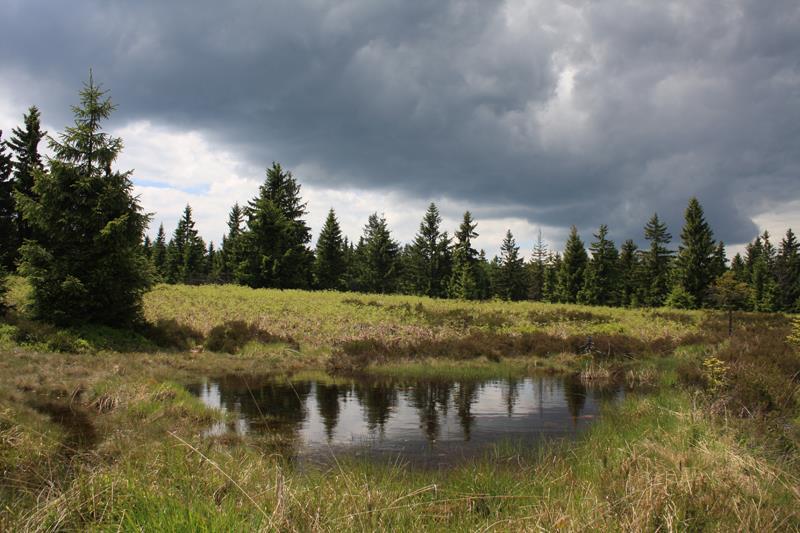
(559, 112)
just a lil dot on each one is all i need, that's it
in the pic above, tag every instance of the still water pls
(421, 422)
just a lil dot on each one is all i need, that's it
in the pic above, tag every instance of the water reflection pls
(425, 421)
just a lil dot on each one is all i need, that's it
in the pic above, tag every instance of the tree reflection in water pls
(419, 420)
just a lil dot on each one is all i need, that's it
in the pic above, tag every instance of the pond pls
(419, 422)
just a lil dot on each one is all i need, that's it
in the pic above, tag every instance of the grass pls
(97, 431)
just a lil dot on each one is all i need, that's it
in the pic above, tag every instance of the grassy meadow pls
(97, 431)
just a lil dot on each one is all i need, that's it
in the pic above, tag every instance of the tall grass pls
(706, 438)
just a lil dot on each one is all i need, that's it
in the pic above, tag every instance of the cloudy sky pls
(532, 114)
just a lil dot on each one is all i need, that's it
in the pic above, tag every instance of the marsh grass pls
(676, 454)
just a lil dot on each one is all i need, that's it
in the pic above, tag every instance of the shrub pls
(680, 298)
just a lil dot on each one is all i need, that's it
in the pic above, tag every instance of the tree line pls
(72, 225)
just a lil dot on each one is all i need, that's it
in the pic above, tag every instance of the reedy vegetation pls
(709, 443)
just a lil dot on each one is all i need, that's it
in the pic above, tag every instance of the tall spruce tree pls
(601, 282)
(536, 268)
(186, 252)
(656, 262)
(719, 263)
(552, 270)
(630, 274)
(573, 268)
(329, 262)
(158, 257)
(275, 245)
(85, 263)
(510, 282)
(24, 142)
(739, 268)
(429, 256)
(231, 252)
(380, 256)
(8, 226)
(764, 286)
(695, 261)
(753, 252)
(787, 273)
(464, 278)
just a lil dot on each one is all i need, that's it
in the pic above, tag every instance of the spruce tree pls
(24, 142)
(601, 283)
(429, 256)
(464, 282)
(695, 261)
(739, 268)
(510, 278)
(787, 273)
(536, 269)
(158, 256)
(147, 247)
(380, 257)
(186, 252)
(719, 263)
(85, 261)
(275, 245)
(552, 269)
(329, 262)
(484, 276)
(656, 262)
(8, 226)
(573, 268)
(231, 253)
(763, 284)
(753, 252)
(630, 274)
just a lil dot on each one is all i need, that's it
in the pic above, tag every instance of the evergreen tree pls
(550, 291)
(573, 268)
(656, 261)
(85, 263)
(484, 276)
(231, 253)
(380, 255)
(25, 145)
(695, 261)
(8, 227)
(787, 273)
(739, 268)
(510, 278)
(429, 256)
(537, 269)
(629, 268)
(601, 283)
(464, 282)
(329, 263)
(158, 257)
(764, 285)
(275, 245)
(719, 263)
(147, 247)
(768, 250)
(753, 252)
(186, 252)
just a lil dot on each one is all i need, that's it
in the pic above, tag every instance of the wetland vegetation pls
(100, 429)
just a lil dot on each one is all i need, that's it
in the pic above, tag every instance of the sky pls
(532, 114)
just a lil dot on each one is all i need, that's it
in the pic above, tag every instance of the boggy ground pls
(97, 431)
